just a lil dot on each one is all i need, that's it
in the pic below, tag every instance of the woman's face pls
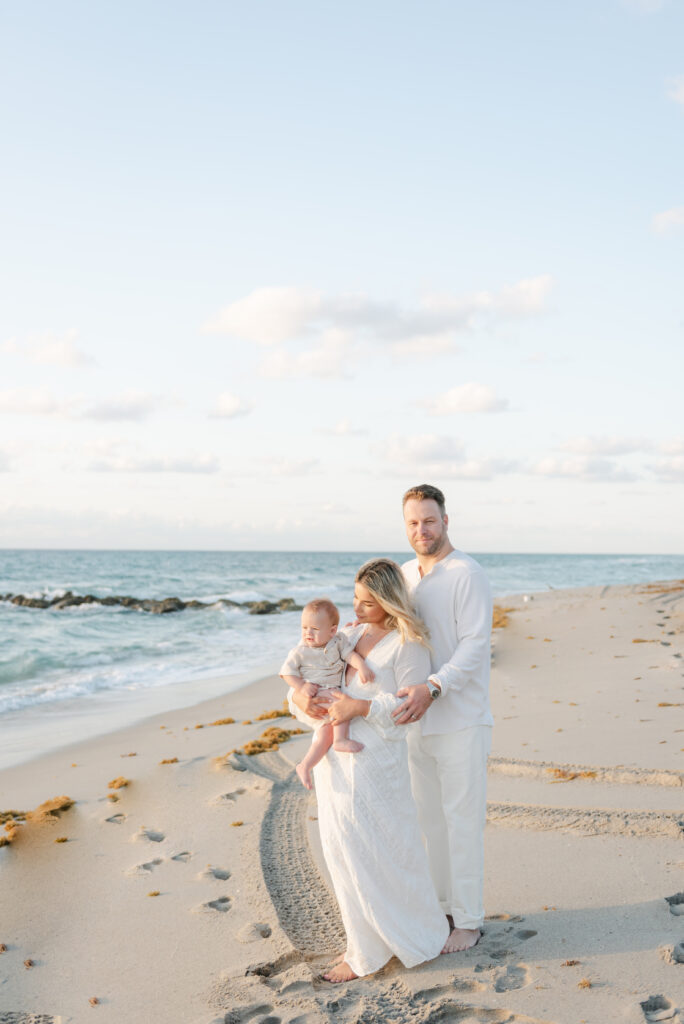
(366, 607)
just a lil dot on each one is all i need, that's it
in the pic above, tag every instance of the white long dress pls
(369, 825)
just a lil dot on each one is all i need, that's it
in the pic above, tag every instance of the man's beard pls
(434, 547)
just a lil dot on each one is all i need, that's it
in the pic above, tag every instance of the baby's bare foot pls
(339, 973)
(347, 747)
(304, 776)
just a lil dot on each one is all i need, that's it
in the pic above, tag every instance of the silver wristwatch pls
(435, 691)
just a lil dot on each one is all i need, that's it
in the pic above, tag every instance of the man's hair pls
(324, 604)
(426, 492)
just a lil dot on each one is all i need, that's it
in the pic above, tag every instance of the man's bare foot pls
(339, 973)
(304, 776)
(347, 746)
(462, 938)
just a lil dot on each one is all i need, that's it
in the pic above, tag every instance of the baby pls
(316, 667)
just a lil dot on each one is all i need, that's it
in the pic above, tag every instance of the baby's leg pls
(320, 745)
(342, 743)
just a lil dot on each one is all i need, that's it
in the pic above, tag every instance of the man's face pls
(425, 528)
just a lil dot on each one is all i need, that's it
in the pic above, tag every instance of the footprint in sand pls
(253, 932)
(222, 904)
(249, 1013)
(116, 819)
(658, 1008)
(525, 933)
(150, 834)
(228, 798)
(144, 869)
(676, 903)
(515, 976)
(211, 872)
(183, 856)
(678, 953)
(459, 985)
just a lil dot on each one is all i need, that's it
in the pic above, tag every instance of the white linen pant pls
(449, 784)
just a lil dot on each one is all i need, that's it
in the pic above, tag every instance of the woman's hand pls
(344, 708)
(316, 707)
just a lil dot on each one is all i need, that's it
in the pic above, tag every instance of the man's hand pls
(344, 708)
(316, 707)
(418, 700)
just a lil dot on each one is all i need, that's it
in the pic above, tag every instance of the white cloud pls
(470, 397)
(606, 445)
(331, 358)
(345, 428)
(420, 448)
(129, 406)
(229, 406)
(582, 467)
(155, 464)
(50, 348)
(438, 457)
(675, 446)
(335, 509)
(272, 316)
(524, 298)
(676, 89)
(670, 470)
(35, 402)
(268, 315)
(668, 220)
(291, 467)
(132, 405)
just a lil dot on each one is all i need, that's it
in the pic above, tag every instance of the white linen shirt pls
(454, 600)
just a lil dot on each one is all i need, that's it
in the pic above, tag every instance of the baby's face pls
(317, 629)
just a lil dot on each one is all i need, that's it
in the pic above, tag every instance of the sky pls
(266, 265)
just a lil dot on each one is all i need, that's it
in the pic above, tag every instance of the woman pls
(367, 818)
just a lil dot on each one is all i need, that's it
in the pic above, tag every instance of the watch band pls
(435, 691)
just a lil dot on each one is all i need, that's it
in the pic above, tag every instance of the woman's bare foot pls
(347, 746)
(336, 963)
(304, 776)
(462, 938)
(339, 973)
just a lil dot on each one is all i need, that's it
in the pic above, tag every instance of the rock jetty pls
(156, 607)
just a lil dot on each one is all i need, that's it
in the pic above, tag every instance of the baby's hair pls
(324, 604)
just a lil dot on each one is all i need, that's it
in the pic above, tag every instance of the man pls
(448, 751)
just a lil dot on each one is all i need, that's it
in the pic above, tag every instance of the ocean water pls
(69, 661)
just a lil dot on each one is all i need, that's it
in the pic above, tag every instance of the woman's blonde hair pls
(385, 581)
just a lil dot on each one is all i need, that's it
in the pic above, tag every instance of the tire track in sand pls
(306, 909)
(28, 1018)
(589, 821)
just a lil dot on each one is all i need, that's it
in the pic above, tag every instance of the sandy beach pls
(185, 884)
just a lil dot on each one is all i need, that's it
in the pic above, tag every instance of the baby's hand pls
(366, 674)
(310, 689)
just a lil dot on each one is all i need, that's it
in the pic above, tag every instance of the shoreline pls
(196, 892)
(37, 724)
(110, 711)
